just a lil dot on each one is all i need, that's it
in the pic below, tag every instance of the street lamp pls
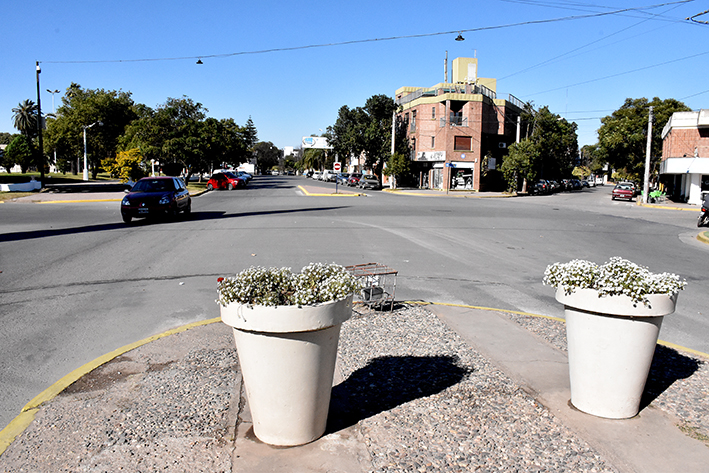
(54, 112)
(86, 166)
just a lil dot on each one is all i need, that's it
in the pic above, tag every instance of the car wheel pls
(612, 197)
(210, 187)
(188, 209)
(126, 218)
(230, 186)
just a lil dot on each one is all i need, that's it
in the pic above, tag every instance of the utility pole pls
(648, 150)
(40, 143)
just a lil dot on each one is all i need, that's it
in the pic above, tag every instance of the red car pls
(623, 191)
(225, 180)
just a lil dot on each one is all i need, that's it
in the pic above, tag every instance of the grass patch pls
(51, 178)
(4, 196)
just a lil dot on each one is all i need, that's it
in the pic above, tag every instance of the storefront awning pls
(685, 166)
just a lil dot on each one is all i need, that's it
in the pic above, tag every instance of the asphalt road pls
(77, 283)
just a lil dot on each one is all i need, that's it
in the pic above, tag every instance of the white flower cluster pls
(617, 276)
(316, 283)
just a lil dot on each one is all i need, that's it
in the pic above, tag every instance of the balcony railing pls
(454, 121)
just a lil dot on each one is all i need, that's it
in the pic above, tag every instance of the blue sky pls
(582, 68)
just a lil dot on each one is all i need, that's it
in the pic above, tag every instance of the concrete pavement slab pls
(649, 442)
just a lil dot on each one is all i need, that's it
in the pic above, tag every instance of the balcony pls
(454, 121)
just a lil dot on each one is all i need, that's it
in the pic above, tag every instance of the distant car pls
(369, 181)
(342, 178)
(156, 197)
(353, 180)
(540, 187)
(636, 189)
(225, 180)
(316, 175)
(623, 191)
(244, 175)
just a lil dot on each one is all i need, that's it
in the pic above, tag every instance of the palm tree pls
(25, 117)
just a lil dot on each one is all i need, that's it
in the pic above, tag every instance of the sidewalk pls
(177, 403)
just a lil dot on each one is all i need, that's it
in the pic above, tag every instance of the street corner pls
(703, 237)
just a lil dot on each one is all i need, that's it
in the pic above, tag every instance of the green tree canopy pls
(80, 109)
(519, 164)
(267, 155)
(622, 137)
(24, 118)
(19, 151)
(366, 130)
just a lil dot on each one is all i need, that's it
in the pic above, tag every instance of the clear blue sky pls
(582, 68)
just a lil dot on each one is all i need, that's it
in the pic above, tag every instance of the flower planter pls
(611, 341)
(287, 356)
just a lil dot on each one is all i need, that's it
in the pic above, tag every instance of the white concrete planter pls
(611, 342)
(287, 356)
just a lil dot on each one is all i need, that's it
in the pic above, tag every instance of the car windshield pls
(625, 187)
(153, 185)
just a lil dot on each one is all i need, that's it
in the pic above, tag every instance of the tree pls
(25, 118)
(127, 165)
(19, 151)
(519, 164)
(267, 155)
(173, 134)
(81, 108)
(557, 144)
(365, 130)
(397, 166)
(250, 134)
(622, 137)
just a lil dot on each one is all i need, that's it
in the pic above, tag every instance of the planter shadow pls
(387, 382)
(668, 366)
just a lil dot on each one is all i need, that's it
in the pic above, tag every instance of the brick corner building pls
(453, 127)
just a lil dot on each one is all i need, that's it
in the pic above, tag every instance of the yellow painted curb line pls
(327, 195)
(703, 237)
(666, 207)
(661, 342)
(22, 421)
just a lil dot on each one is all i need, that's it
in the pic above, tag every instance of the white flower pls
(617, 276)
(316, 283)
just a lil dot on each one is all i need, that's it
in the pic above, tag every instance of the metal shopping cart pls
(378, 284)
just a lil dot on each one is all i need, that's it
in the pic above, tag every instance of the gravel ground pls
(423, 401)
(162, 407)
(678, 382)
(428, 402)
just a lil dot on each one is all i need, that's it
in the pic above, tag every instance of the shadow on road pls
(194, 216)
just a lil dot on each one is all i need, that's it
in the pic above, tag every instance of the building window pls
(413, 144)
(463, 143)
(433, 142)
(433, 112)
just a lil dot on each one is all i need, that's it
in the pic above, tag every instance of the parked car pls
(576, 184)
(369, 181)
(353, 180)
(243, 175)
(540, 187)
(328, 175)
(225, 180)
(156, 197)
(342, 177)
(316, 175)
(636, 189)
(623, 190)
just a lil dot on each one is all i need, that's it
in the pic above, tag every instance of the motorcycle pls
(704, 216)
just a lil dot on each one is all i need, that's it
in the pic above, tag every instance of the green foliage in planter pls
(315, 283)
(617, 276)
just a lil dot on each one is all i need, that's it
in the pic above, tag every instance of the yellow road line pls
(327, 195)
(492, 309)
(22, 421)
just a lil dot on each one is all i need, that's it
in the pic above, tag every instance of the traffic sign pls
(337, 167)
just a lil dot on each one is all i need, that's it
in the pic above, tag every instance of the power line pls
(621, 73)
(370, 40)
